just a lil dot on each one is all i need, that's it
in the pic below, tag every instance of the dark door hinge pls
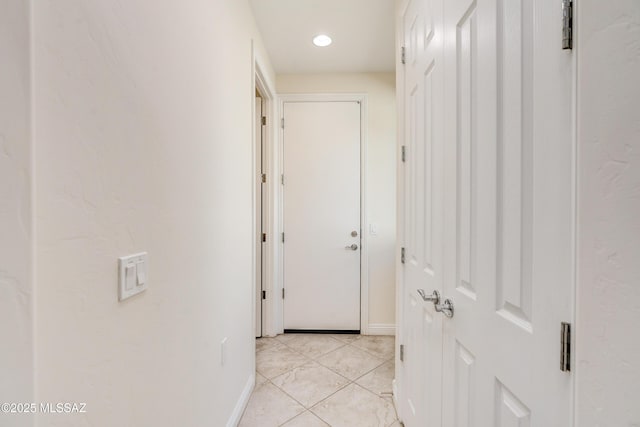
(402, 255)
(264, 120)
(565, 347)
(264, 177)
(402, 352)
(403, 55)
(567, 24)
(282, 237)
(264, 237)
(282, 293)
(404, 153)
(264, 294)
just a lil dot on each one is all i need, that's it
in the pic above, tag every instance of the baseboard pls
(381, 329)
(236, 415)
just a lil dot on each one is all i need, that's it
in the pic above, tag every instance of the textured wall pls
(608, 302)
(143, 114)
(16, 284)
(381, 173)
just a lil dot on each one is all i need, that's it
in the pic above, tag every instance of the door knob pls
(445, 308)
(353, 247)
(434, 297)
(354, 233)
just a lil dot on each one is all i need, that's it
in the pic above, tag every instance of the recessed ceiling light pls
(322, 40)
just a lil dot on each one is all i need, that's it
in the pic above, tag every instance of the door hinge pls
(565, 347)
(264, 237)
(402, 352)
(403, 55)
(282, 123)
(282, 293)
(264, 177)
(567, 24)
(282, 237)
(264, 120)
(282, 179)
(404, 153)
(264, 294)
(402, 255)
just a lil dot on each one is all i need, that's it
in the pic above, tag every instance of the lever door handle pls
(445, 308)
(353, 247)
(434, 297)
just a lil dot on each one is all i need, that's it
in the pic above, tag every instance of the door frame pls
(259, 214)
(397, 386)
(261, 82)
(278, 303)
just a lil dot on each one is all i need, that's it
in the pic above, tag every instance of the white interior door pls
(423, 214)
(510, 226)
(321, 215)
(507, 224)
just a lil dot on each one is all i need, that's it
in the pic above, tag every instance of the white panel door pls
(421, 367)
(322, 215)
(487, 107)
(508, 232)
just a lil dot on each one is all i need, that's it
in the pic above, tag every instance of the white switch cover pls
(132, 277)
(373, 229)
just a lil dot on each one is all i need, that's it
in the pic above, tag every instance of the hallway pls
(145, 195)
(322, 380)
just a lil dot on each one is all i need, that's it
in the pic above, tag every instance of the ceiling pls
(362, 32)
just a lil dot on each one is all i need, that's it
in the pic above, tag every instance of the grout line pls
(320, 418)
(357, 378)
(295, 416)
(330, 395)
(321, 400)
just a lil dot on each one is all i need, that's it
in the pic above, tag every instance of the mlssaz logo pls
(63, 408)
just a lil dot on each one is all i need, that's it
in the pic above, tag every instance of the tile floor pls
(323, 380)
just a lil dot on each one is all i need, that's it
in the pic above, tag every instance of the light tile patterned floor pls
(323, 380)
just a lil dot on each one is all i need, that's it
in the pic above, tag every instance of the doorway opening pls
(324, 259)
(263, 244)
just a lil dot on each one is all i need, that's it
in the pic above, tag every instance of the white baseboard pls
(381, 329)
(242, 402)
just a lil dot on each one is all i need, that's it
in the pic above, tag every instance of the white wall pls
(16, 283)
(608, 300)
(143, 114)
(381, 173)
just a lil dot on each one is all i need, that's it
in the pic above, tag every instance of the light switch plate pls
(133, 275)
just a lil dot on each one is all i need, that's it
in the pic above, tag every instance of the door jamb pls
(397, 386)
(364, 247)
(259, 211)
(261, 82)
